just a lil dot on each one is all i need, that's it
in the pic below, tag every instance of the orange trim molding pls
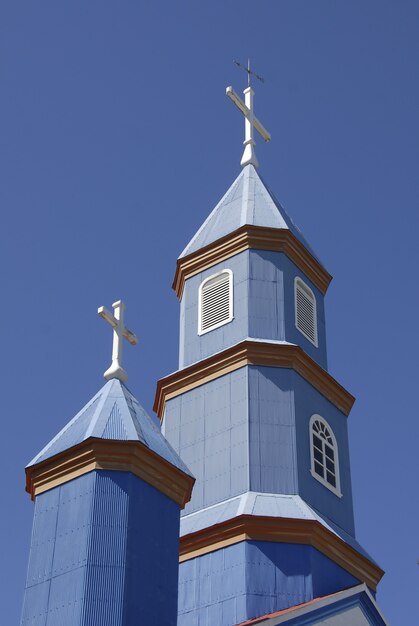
(284, 530)
(121, 456)
(252, 353)
(254, 237)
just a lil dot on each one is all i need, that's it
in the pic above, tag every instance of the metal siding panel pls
(35, 604)
(171, 423)
(272, 432)
(71, 545)
(266, 295)
(327, 576)
(66, 598)
(114, 428)
(253, 578)
(43, 537)
(214, 597)
(105, 529)
(208, 427)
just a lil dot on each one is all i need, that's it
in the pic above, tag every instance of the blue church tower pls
(108, 490)
(255, 414)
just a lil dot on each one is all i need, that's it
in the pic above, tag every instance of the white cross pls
(119, 330)
(251, 122)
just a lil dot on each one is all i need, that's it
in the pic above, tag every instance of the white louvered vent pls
(305, 311)
(215, 301)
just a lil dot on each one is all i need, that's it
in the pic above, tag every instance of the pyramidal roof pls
(113, 413)
(248, 201)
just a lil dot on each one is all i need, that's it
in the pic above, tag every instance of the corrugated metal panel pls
(273, 462)
(35, 605)
(66, 598)
(114, 428)
(211, 436)
(251, 579)
(247, 201)
(104, 529)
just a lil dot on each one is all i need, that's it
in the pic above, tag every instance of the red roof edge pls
(257, 620)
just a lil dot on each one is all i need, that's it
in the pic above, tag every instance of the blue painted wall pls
(104, 550)
(281, 405)
(263, 296)
(308, 401)
(208, 428)
(252, 578)
(249, 430)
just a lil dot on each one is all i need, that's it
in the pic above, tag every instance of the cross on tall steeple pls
(119, 330)
(251, 121)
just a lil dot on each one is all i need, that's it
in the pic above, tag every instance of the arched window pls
(215, 301)
(305, 311)
(324, 454)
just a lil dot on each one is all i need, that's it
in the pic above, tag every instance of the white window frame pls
(299, 281)
(336, 490)
(230, 303)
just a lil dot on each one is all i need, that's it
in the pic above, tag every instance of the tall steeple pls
(108, 490)
(255, 414)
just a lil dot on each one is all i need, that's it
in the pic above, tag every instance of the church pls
(238, 509)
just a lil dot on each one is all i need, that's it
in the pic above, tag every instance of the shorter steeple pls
(108, 490)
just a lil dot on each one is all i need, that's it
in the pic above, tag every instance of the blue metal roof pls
(262, 504)
(113, 413)
(248, 201)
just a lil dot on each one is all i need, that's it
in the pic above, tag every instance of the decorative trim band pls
(255, 237)
(252, 353)
(120, 456)
(283, 530)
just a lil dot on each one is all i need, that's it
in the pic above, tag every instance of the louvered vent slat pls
(305, 314)
(215, 301)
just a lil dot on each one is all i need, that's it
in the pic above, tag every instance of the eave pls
(106, 454)
(250, 352)
(251, 237)
(284, 530)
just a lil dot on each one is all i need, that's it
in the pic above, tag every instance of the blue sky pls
(116, 141)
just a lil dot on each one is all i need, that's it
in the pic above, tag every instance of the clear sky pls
(116, 141)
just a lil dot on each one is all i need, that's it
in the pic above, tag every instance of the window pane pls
(329, 453)
(331, 479)
(318, 456)
(330, 465)
(318, 469)
(317, 442)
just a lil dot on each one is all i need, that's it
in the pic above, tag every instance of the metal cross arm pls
(248, 113)
(119, 330)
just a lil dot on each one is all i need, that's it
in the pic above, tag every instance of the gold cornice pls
(252, 353)
(255, 237)
(106, 454)
(284, 530)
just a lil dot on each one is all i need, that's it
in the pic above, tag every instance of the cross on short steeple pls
(251, 121)
(119, 330)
